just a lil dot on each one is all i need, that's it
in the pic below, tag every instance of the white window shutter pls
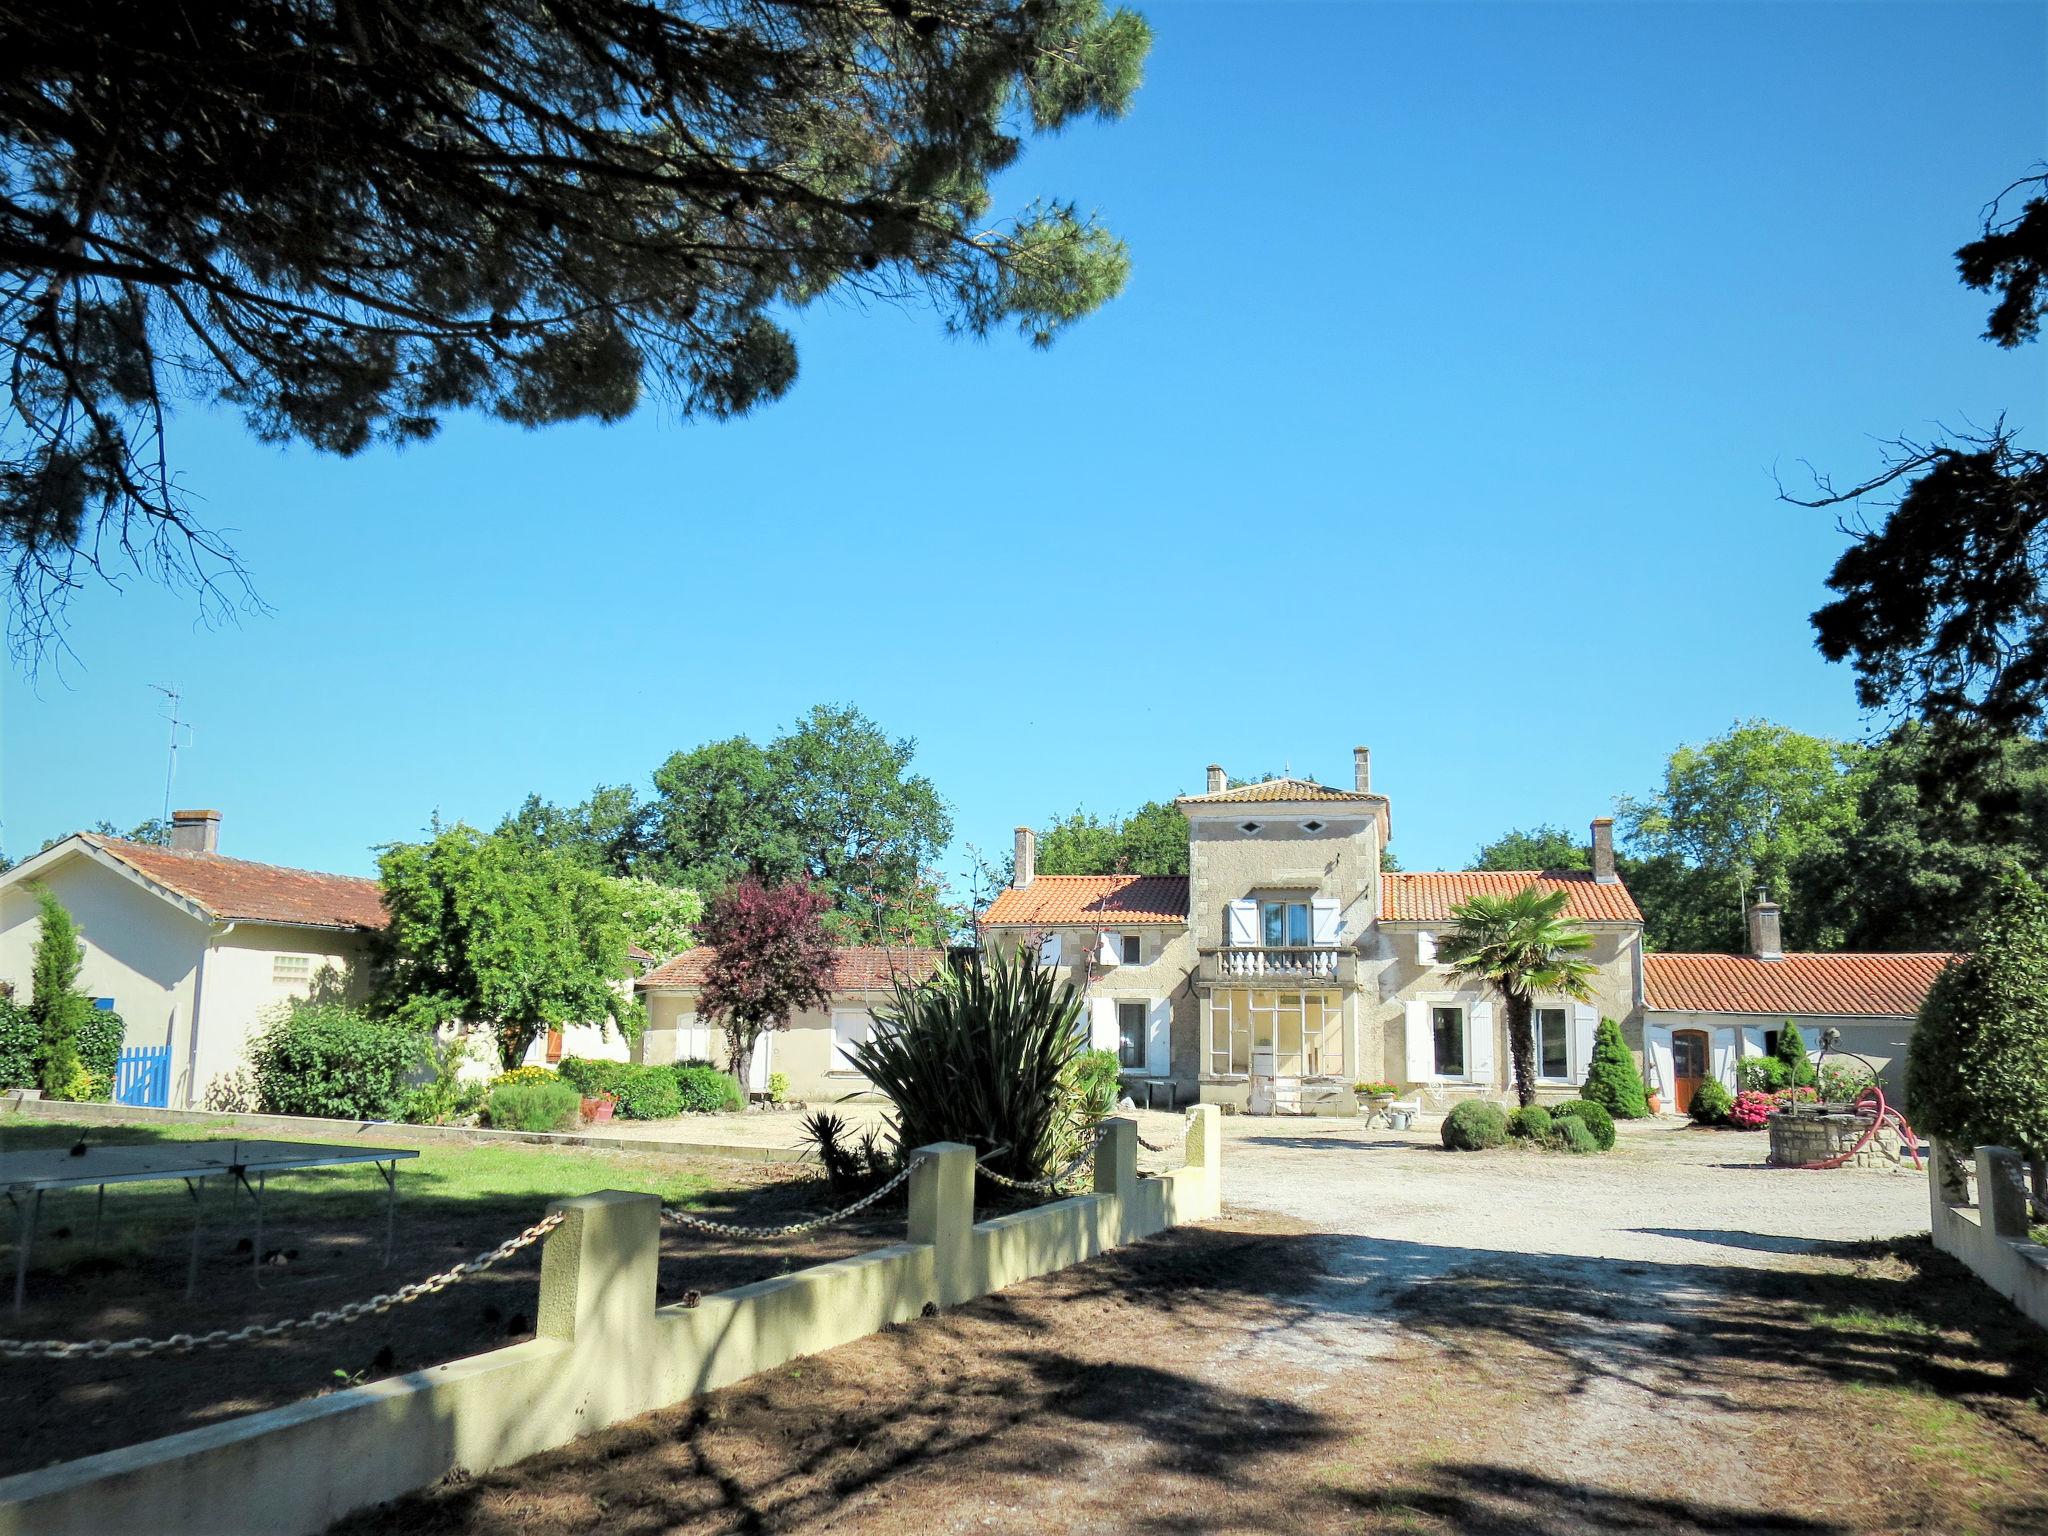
(1109, 949)
(1421, 1047)
(1323, 911)
(1752, 1042)
(1727, 1045)
(1585, 1019)
(1243, 922)
(1049, 949)
(1425, 948)
(850, 1027)
(1159, 1036)
(1102, 1031)
(1479, 1042)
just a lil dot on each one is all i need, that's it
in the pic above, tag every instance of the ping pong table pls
(26, 1177)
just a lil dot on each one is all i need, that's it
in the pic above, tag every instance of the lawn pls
(323, 1240)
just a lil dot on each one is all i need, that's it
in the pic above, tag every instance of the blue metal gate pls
(142, 1077)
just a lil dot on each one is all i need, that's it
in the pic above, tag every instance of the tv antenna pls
(172, 695)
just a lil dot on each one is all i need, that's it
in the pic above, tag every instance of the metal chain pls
(730, 1229)
(104, 1349)
(1049, 1185)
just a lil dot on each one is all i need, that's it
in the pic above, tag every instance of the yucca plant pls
(976, 1054)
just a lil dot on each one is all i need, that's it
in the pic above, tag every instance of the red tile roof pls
(1427, 896)
(859, 968)
(1275, 789)
(236, 890)
(1116, 900)
(1884, 985)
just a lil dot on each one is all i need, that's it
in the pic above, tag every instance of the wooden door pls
(554, 1046)
(1688, 1066)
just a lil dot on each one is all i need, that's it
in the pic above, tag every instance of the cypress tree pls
(1977, 1074)
(1792, 1052)
(55, 1003)
(1612, 1080)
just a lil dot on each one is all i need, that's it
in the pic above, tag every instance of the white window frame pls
(1564, 1012)
(1334, 1035)
(1288, 906)
(1131, 948)
(1144, 1009)
(858, 1034)
(1464, 1012)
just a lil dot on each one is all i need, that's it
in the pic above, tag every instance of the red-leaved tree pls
(772, 959)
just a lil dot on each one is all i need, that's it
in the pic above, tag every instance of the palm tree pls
(1519, 945)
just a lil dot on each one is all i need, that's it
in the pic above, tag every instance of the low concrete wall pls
(85, 1113)
(1990, 1236)
(605, 1352)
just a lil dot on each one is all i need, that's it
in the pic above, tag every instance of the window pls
(1553, 1044)
(1130, 1035)
(850, 1027)
(1311, 826)
(1134, 948)
(291, 970)
(1284, 923)
(1447, 1028)
(1248, 827)
(693, 1040)
(1304, 1030)
(1771, 1041)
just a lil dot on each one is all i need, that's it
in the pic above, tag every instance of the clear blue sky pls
(1440, 415)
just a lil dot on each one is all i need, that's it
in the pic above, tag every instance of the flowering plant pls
(1751, 1109)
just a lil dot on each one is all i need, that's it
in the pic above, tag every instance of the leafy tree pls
(2011, 256)
(58, 1008)
(489, 930)
(1538, 848)
(1977, 1074)
(774, 959)
(661, 919)
(607, 832)
(1519, 946)
(1152, 840)
(1917, 868)
(1746, 808)
(1685, 908)
(832, 801)
(1612, 1078)
(344, 221)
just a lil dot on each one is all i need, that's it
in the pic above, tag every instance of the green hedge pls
(1711, 1103)
(1474, 1126)
(1593, 1116)
(17, 1046)
(332, 1060)
(534, 1107)
(654, 1093)
(708, 1091)
(1570, 1134)
(99, 1048)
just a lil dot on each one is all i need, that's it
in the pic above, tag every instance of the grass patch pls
(1864, 1320)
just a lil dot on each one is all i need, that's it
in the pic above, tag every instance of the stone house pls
(1288, 942)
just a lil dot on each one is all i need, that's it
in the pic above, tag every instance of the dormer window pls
(1248, 828)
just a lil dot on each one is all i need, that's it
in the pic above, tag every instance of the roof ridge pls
(114, 845)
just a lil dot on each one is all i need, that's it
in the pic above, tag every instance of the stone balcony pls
(1286, 965)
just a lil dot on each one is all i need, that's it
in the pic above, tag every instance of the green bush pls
(1711, 1103)
(447, 1098)
(1093, 1079)
(332, 1060)
(648, 1093)
(1593, 1116)
(704, 1090)
(1612, 1079)
(99, 1049)
(778, 1087)
(17, 1046)
(534, 1106)
(1840, 1082)
(1761, 1074)
(1529, 1124)
(1571, 1134)
(1474, 1126)
(1792, 1052)
(588, 1076)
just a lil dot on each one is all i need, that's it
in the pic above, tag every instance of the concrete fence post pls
(942, 1214)
(1205, 1151)
(1116, 1159)
(2000, 1196)
(598, 1270)
(1951, 1183)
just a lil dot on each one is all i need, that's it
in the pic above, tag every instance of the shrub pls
(17, 1046)
(1765, 1074)
(646, 1093)
(1530, 1123)
(99, 1049)
(1093, 1081)
(526, 1075)
(447, 1098)
(978, 1054)
(851, 1166)
(1792, 1052)
(778, 1087)
(1571, 1134)
(702, 1089)
(1751, 1109)
(1474, 1126)
(332, 1060)
(551, 1106)
(1594, 1116)
(1711, 1103)
(1613, 1081)
(591, 1077)
(1839, 1082)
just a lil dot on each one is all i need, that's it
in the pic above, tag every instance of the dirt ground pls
(1669, 1338)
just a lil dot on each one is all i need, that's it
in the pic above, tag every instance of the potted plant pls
(1375, 1096)
(1651, 1096)
(597, 1111)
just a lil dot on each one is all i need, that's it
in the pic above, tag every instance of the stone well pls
(1814, 1133)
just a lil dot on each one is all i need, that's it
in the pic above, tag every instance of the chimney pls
(1024, 868)
(1361, 768)
(1218, 779)
(195, 831)
(1603, 851)
(1764, 942)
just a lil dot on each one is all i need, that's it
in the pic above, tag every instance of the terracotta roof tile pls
(1885, 985)
(1275, 789)
(1427, 896)
(1051, 900)
(237, 890)
(858, 968)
